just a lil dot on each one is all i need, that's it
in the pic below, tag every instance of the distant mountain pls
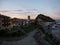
(45, 18)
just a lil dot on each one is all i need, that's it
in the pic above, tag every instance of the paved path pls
(29, 40)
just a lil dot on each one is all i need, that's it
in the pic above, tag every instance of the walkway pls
(29, 40)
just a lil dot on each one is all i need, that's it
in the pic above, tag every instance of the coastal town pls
(46, 30)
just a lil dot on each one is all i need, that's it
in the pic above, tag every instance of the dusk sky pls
(23, 8)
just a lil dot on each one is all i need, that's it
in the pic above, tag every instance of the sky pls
(23, 8)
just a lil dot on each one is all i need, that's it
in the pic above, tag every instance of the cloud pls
(55, 16)
(19, 14)
(24, 14)
(4, 11)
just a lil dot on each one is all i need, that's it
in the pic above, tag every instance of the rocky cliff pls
(42, 36)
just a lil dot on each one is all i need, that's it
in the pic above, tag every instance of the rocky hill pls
(42, 36)
(45, 18)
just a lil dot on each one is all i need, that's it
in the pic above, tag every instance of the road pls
(29, 40)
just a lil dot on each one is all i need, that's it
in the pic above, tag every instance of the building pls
(16, 22)
(4, 22)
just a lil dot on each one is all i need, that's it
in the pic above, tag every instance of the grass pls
(15, 32)
(11, 33)
(29, 28)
